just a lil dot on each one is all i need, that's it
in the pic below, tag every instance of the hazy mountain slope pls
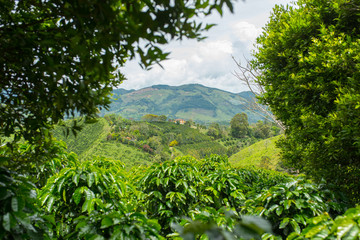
(193, 101)
(261, 154)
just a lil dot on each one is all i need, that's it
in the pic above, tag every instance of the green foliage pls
(261, 130)
(82, 191)
(116, 225)
(239, 125)
(212, 185)
(212, 163)
(183, 134)
(308, 57)
(225, 187)
(67, 55)
(203, 149)
(288, 206)
(345, 226)
(171, 188)
(154, 118)
(127, 141)
(253, 155)
(215, 131)
(128, 154)
(94, 200)
(192, 101)
(256, 180)
(222, 224)
(99, 139)
(234, 145)
(20, 216)
(89, 136)
(21, 159)
(186, 197)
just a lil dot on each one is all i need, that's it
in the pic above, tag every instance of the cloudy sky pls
(209, 62)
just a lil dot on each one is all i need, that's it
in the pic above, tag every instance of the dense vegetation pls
(264, 154)
(98, 199)
(64, 57)
(309, 59)
(155, 139)
(59, 60)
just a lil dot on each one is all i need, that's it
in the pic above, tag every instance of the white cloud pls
(246, 32)
(203, 63)
(214, 48)
(196, 59)
(208, 62)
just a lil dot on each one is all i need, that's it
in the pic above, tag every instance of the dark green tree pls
(239, 125)
(61, 58)
(162, 118)
(215, 131)
(308, 56)
(261, 130)
(190, 123)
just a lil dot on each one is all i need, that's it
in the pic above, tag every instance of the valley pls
(142, 142)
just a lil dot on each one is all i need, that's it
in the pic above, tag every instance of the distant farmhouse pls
(180, 121)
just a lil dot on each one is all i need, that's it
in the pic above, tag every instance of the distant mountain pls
(192, 101)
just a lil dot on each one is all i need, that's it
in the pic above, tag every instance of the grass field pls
(263, 154)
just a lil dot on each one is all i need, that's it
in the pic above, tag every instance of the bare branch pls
(249, 75)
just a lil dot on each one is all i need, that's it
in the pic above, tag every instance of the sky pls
(208, 62)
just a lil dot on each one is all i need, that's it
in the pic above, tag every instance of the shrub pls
(171, 189)
(80, 193)
(288, 206)
(345, 226)
(20, 217)
(173, 143)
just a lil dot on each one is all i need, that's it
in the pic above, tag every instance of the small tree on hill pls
(215, 131)
(261, 130)
(239, 125)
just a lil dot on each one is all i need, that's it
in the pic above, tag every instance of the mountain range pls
(192, 101)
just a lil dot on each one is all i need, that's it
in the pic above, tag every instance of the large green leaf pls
(77, 196)
(90, 179)
(50, 203)
(106, 222)
(6, 221)
(15, 204)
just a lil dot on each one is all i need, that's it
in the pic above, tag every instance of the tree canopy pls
(239, 125)
(62, 58)
(308, 56)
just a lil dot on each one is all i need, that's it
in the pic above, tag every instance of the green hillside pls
(263, 154)
(91, 142)
(128, 155)
(85, 139)
(138, 142)
(194, 101)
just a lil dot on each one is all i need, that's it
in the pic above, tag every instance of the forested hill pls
(193, 101)
(140, 143)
